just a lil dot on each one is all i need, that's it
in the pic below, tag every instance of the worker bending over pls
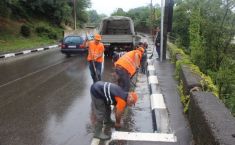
(103, 95)
(126, 66)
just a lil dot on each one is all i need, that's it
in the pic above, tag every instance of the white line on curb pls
(26, 51)
(151, 68)
(149, 61)
(52, 46)
(138, 136)
(9, 55)
(153, 80)
(157, 101)
(40, 49)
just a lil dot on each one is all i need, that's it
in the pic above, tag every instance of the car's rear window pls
(74, 40)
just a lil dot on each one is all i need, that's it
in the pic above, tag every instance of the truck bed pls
(117, 38)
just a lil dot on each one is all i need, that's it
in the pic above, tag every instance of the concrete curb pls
(27, 51)
(158, 107)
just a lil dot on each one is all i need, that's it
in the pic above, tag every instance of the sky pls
(109, 6)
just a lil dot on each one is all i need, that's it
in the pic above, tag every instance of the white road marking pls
(138, 136)
(157, 101)
(151, 68)
(153, 80)
(30, 74)
(95, 141)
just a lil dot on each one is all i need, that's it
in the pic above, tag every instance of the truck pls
(118, 34)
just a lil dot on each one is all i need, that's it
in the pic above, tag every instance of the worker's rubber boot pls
(99, 133)
(109, 122)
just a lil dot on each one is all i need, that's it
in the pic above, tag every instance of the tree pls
(94, 18)
(119, 12)
(210, 30)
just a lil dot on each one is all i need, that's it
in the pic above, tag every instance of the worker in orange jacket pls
(95, 56)
(103, 95)
(126, 66)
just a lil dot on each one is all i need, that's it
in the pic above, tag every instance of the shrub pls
(25, 30)
(206, 82)
(45, 31)
(42, 30)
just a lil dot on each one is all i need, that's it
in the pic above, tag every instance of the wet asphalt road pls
(45, 100)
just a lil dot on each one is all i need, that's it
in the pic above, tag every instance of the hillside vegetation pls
(11, 38)
(33, 23)
(204, 29)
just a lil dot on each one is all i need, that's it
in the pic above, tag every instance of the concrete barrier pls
(211, 122)
(190, 79)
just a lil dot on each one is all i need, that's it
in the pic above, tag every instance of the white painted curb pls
(139, 136)
(26, 51)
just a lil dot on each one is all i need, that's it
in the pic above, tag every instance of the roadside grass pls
(12, 44)
(12, 41)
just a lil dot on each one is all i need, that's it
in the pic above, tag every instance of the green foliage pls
(210, 30)
(181, 21)
(56, 11)
(94, 18)
(119, 12)
(141, 17)
(4, 10)
(185, 99)
(206, 82)
(46, 31)
(13, 45)
(225, 79)
(25, 30)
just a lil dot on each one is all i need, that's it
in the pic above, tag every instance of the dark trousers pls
(101, 109)
(123, 79)
(144, 63)
(95, 72)
(158, 50)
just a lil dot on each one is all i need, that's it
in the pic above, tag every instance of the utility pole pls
(151, 17)
(162, 30)
(75, 16)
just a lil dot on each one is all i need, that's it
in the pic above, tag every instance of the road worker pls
(95, 56)
(103, 95)
(126, 66)
(143, 62)
(117, 55)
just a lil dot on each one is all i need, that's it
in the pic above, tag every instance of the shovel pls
(96, 75)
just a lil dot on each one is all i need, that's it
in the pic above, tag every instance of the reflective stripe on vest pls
(108, 98)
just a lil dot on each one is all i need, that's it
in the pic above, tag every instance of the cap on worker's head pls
(140, 43)
(97, 37)
(134, 96)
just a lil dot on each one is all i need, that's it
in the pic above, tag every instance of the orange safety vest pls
(127, 61)
(95, 50)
